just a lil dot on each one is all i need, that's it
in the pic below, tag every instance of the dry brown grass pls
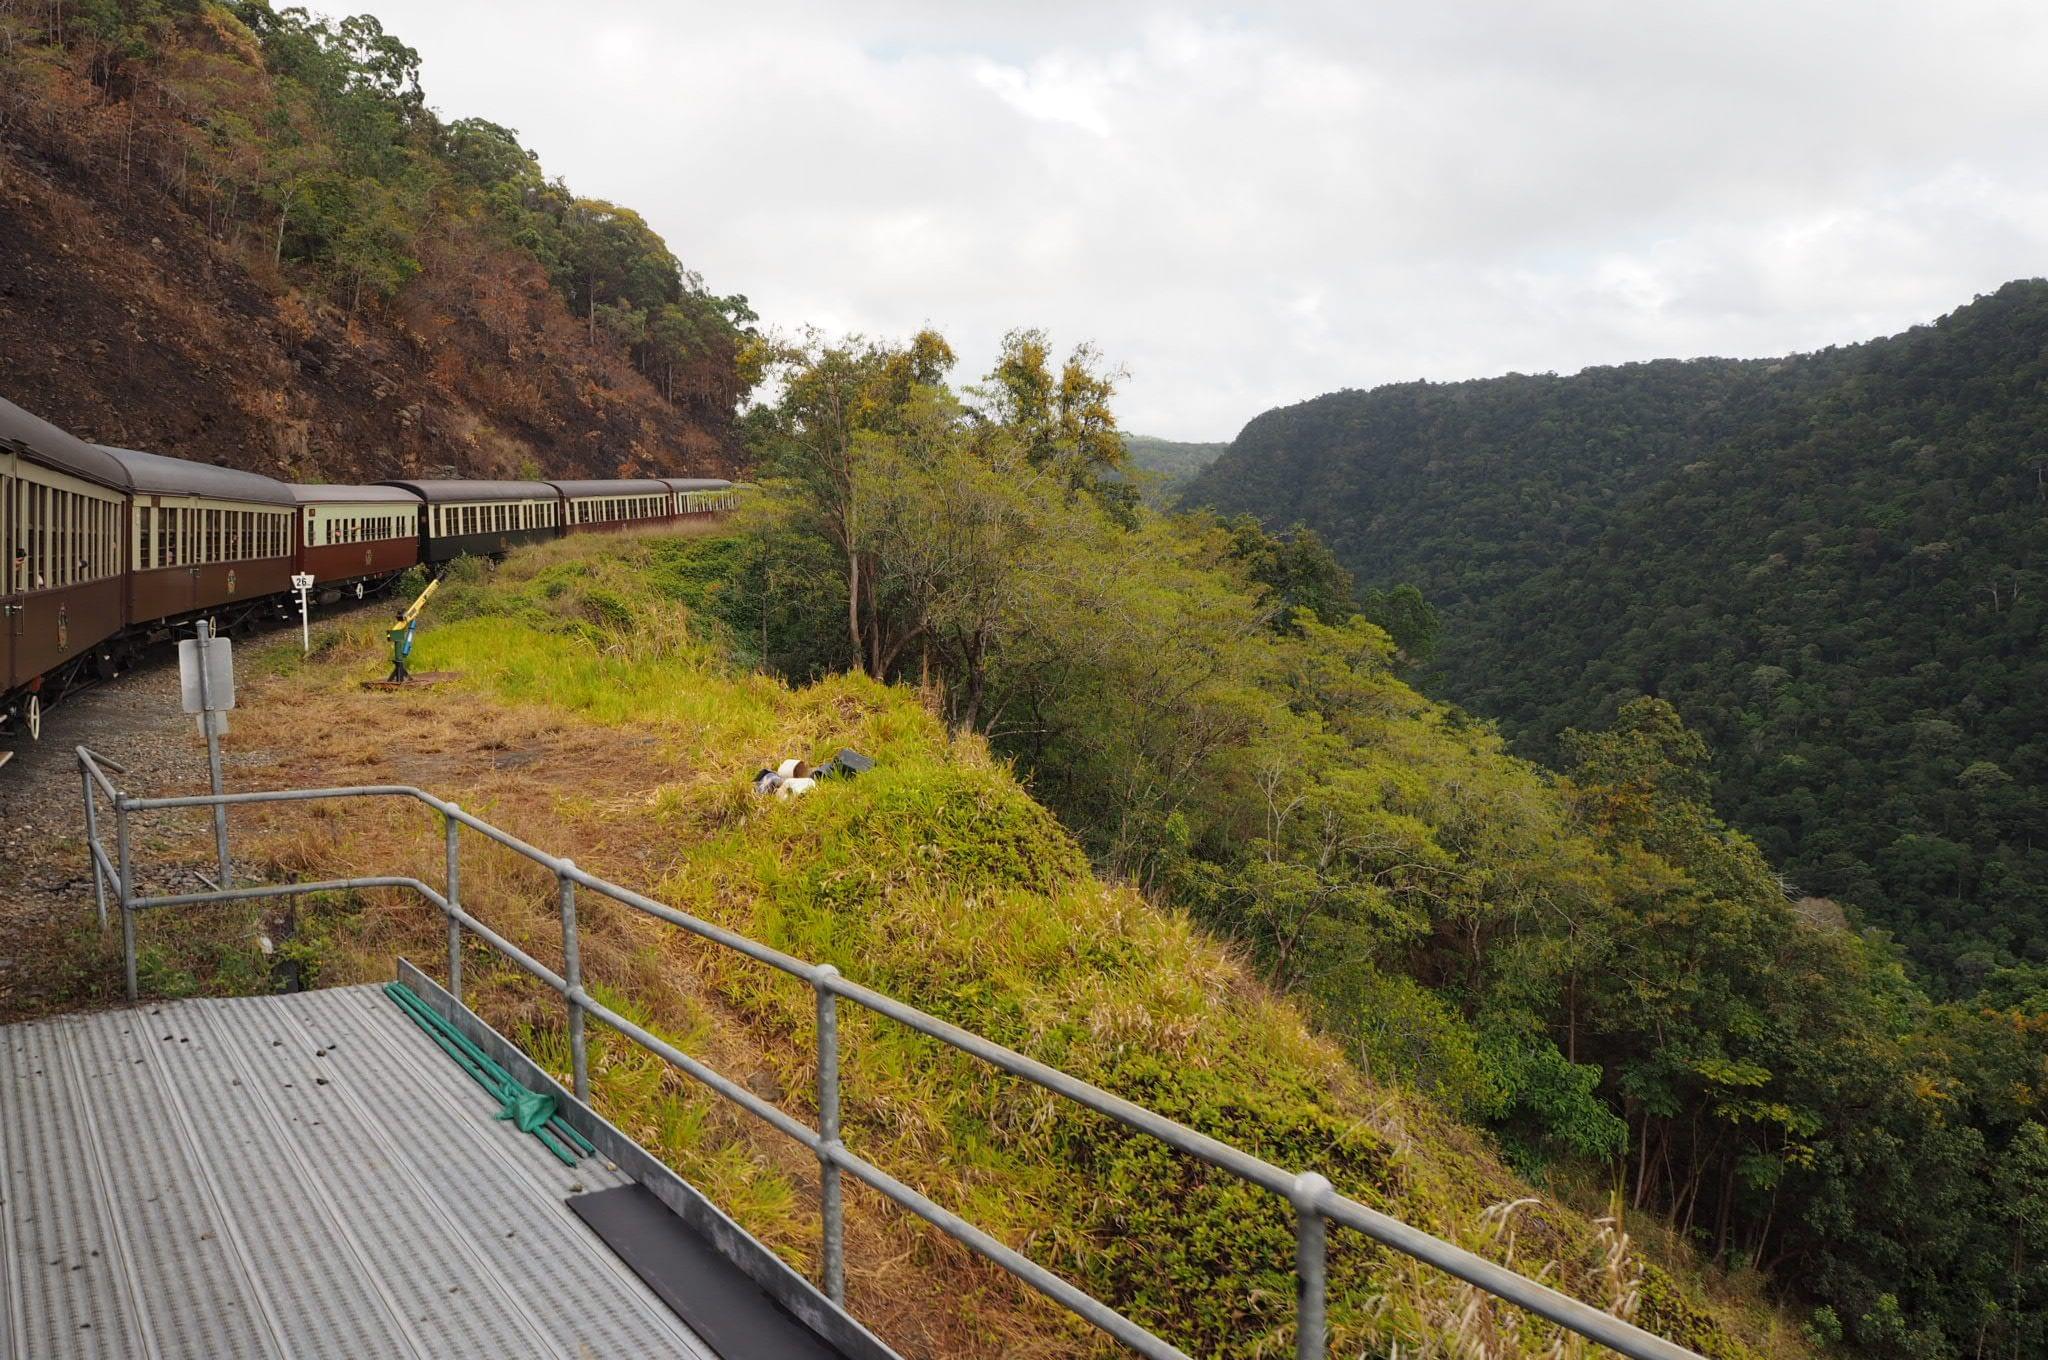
(563, 784)
(640, 803)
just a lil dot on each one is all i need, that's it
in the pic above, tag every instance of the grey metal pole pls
(572, 975)
(454, 901)
(203, 631)
(830, 1204)
(126, 888)
(1311, 1238)
(92, 838)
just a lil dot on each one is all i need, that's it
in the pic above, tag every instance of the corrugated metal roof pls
(301, 1176)
(322, 494)
(645, 486)
(160, 475)
(438, 490)
(45, 443)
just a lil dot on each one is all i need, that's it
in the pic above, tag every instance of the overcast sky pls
(1245, 207)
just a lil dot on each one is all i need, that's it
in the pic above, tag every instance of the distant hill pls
(1834, 564)
(1176, 462)
(241, 235)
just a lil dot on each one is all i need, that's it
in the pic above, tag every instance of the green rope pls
(531, 1112)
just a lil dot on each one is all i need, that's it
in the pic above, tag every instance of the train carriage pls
(356, 535)
(482, 519)
(591, 506)
(202, 537)
(701, 495)
(61, 513)
(103, 550)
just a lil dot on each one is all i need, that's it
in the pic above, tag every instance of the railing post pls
(126, 888)
(572, 973)
(1311, 1233)
(831, 1208)
(92, 841)
(454, 903)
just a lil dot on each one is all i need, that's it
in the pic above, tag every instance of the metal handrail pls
(1313, 1201)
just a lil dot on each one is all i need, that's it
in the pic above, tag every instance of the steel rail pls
(1313, 1201)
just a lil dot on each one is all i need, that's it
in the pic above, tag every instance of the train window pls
(38, 511)
(60, 528)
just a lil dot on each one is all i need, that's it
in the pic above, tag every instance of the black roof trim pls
(320, 493)
(44, 443)
(641, 486)
(443, 489)
(156, 474)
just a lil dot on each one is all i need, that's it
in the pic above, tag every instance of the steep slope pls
(252, 243)
(593, 713)
(1831, 563)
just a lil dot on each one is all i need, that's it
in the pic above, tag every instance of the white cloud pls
(1248, 207)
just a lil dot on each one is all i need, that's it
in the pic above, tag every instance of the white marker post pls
(302, 581)
(206, 683)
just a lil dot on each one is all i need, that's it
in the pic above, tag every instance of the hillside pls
(1174, 461)
(596, 710)
(242, 236)
(1832, 564)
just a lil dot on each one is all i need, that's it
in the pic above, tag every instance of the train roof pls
(439, 489)
(643, 486)
(160, 475)
(45, 443)
(323, 494)
(697, 483)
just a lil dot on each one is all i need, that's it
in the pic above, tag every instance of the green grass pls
(936, 879)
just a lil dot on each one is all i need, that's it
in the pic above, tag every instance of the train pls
(108, 550)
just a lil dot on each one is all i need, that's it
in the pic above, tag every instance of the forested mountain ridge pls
(1830, 563)
(1458, 488)
(241, 235)
(1174, 462)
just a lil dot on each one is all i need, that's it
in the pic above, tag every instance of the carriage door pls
(10, 584)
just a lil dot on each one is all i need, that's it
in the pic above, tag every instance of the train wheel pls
(33, 713)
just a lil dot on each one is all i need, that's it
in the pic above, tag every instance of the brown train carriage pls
(702, 495)
(592, 506)
(62, 506)
(482, 519)
(356, 535)
(201, 537)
